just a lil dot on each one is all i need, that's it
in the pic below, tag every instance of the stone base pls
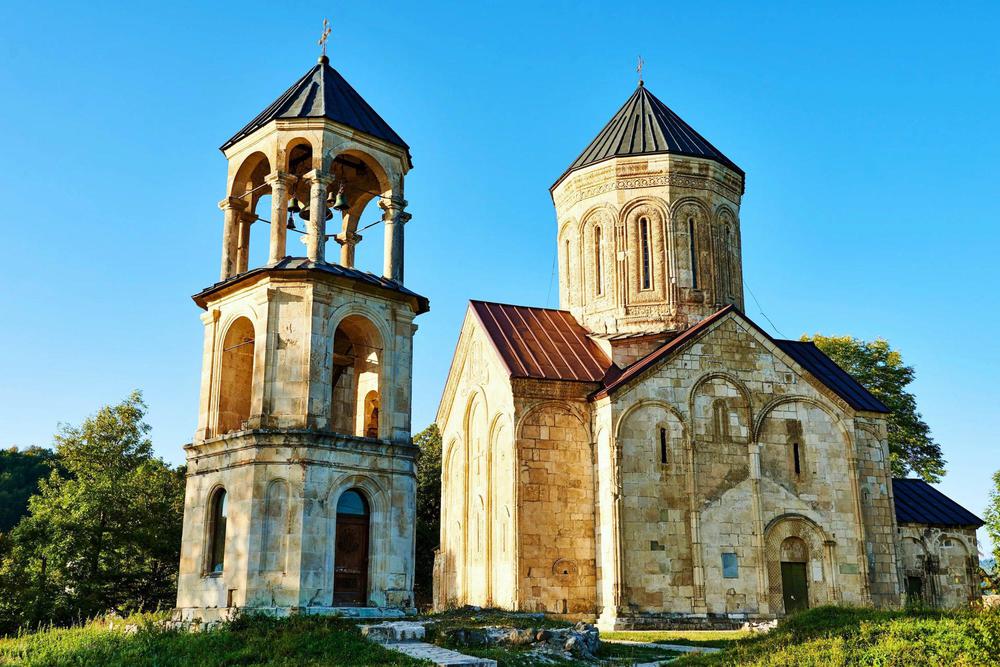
(672, 621)
(213, 615)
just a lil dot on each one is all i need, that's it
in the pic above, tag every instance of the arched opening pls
(350, 563)
(356, 378)
(647, 258)
(598, 261)
(236, 377)
(794, 579)
(250, 185)
(216, 547)
(275, 527)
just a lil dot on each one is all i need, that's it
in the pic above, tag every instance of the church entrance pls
(794, 587)
(350, 564)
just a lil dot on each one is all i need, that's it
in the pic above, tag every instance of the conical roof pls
(646, 126)
(324, 93)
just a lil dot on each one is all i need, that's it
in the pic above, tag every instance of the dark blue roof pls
(646, 126)
(323, 93)
(302, 263)
(919, 502)
(810, 357)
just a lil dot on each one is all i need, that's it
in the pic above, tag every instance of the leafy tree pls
(20, 473)
(881, 370)
(992, 518)
(428, 529)
(105, 536)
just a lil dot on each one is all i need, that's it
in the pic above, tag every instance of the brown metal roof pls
(541, 343)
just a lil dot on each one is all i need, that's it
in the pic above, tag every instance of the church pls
(647, 454)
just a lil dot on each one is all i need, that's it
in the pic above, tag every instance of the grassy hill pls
(835, 636)
(823, 637)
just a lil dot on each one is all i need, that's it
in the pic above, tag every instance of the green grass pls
(838, 636)
(251, 640)
(710, 638)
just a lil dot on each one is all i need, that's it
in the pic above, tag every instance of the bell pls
(340, 203)
(291, 222)
(304, 214)
(294, 206)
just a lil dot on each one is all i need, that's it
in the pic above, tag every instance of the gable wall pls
(734, 409)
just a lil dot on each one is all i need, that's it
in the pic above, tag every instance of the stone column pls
(394, 217)
(232, 208)
(316, 235)
(280, 183)
(347, 241)
(243, 242)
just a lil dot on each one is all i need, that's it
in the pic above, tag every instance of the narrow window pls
(726, 271)
(693, 249)
(644, 240)
(566, 261)
(795, 455)
(663, 445)
(217, 532)
(730, 566)
(598, 263)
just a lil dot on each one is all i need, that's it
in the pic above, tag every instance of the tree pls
(991, 517)
(881, 370)
(104, 536)
(428, 531)
(20, 473)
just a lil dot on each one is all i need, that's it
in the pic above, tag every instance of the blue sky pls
(868, 136)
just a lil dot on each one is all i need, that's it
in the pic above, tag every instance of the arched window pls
(693, 249)
(647, 280)
(275, 527)
(598, 262)
(236, 378)
(727, 279)
(355, 378)
(216, 532)
(720, 417)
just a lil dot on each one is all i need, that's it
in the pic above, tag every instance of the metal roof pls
(919, 502)
(323, 93)
(302, 264)
(541, 343)
(646, 126)
(810, 357)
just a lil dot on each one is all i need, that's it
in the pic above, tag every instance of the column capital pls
(280, 177)
(321, 177)
(233, 203)
(387, 204)
(347, 238)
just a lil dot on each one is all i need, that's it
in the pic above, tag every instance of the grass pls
(251, 640)
(839, 636)
(709, 638)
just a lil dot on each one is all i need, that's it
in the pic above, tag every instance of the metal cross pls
(326, 33)
(638, 68)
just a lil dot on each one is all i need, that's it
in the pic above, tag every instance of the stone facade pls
(938, 565)
(721, 481)
(301, 483)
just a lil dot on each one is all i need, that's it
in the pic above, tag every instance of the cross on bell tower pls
(303, 444)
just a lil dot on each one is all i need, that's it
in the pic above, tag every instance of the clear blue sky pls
(869, 138)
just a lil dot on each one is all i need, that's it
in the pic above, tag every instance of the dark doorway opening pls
(794, 587)
(914, 590)
(350, 563)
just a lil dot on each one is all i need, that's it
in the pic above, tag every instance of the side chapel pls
(648, 454)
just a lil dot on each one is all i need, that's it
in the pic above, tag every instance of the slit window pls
(598, 263)
(663, 446)
(646, 258)
(796, 459)
(566, 260)
(693, 250)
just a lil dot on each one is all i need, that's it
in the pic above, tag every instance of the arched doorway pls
(794, 582)
(350, 563)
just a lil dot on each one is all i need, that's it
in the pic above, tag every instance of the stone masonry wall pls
(937, 565)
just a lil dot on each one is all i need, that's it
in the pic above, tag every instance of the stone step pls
(440, 656)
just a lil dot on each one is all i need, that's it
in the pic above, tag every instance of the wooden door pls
(794, 587)
(350, 560)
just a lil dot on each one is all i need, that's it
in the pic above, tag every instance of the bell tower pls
(648, 229)
(301, 474)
